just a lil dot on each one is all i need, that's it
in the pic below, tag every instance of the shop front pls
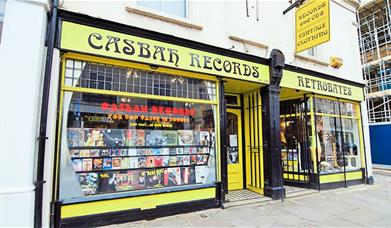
(142, 122)
(321, 131)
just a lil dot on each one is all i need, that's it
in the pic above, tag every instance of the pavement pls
(355, 206)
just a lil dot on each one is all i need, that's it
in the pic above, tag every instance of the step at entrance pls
(239, 195)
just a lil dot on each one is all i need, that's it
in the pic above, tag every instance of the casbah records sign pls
(321, 86)
(86, 39)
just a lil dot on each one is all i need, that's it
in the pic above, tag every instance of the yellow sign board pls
(312, 24)
(91, 40)
(294, 80)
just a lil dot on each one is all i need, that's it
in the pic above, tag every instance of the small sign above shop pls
(86, 39)
(312, 24)
(294, 80)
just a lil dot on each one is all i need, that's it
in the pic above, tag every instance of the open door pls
(234, 149)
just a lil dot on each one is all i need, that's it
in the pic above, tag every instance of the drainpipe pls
(44, 114)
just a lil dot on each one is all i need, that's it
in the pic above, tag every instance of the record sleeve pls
(158, 161)
(107, 163)
(115, 152)
(87, 164)
(154, 178)
(142, 162)
(185, 137)
(116, 163)
(150, 161)
(94, 153)
(130, 137)
(179, 150)
(165, 151)
(190, 150)
(193, 159)
(140, 139)
(77, 164)
(126, 181)
(107, 182)
(75, 137)
(200, 160)
(98, 163)
(173, 176)
(197, 138)
(188, 175)
(132, 152)
(165, 161)
(154, 138)
(125, 163)
(85, 153)
(114, 137)
(204, 138)
(170, 138)
(201, 174)
(140, 179)
(172, 151)
(172, 161)
(141, 152)
(105, 152)
(124, 152)
(133, 162)
(156, 151)
(186, 159)
(179, 160)
(88, 183)
(148, 151)
(94, 137)
(74, 153)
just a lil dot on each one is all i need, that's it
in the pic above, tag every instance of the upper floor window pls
(2, 9)
(173, 7)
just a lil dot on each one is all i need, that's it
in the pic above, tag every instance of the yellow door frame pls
(235, 171)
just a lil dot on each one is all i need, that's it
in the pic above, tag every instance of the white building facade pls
(82, 184)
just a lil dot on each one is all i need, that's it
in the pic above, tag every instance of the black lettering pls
(218, 61)
(247, 70)
(97, 36)
(206, 62)
(313, 83)
(319, 85)
(307, 83)
(113, 40)
(335, 88)
(144, 50)
(340, 89)
(330, 87)
(195, 57)
(301, 82)
(255, 72)
(227, 66)
(128, 49)
(349, 91)
(173, 55)
(345, 90)
(324, 86)
(236, 67)
(159, 50)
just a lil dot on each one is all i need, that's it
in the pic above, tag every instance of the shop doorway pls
(234, 149)
(295, 121)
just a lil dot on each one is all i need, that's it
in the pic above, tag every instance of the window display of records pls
(116, 160)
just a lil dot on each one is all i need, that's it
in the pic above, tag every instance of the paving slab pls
(355, 206)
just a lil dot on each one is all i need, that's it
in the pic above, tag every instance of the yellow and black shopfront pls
(152, 125)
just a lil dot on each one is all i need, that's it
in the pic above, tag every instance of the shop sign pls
(312, 24)
(107, 43)
(322, 86)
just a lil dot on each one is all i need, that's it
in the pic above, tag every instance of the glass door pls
(234, 149)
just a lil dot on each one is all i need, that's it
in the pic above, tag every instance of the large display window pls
(338, 136)
(118, 144)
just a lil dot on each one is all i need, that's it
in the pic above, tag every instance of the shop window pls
(2, 10)
(121, 79)
(124, 145)
(173, 7)
(337, 135)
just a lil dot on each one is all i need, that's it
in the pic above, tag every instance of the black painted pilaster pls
(223, 144)
(274, 187)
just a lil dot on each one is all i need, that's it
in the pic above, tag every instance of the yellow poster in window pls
(91, 40)
(312, 24)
